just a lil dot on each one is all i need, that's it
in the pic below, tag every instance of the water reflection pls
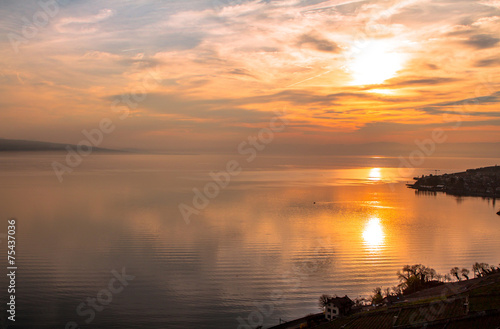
(299, 231)
(373, 234)
(375, 174)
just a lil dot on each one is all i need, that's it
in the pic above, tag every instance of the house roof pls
(341, 301)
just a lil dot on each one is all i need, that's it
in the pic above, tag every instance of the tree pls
(415, 277)
(377, 296)
(323, 301)
(465, 273)
(360, 301)
(454, 272)
(405, 273)
(481, 269)
(396, 290)
(432, 273)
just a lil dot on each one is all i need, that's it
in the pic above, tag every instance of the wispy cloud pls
(85, 24)
(482, 41)
(317, 42)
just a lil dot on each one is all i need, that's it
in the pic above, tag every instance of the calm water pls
(282, 233)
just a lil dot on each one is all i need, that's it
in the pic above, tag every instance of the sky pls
(203, 75)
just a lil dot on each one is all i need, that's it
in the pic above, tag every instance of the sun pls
(374, 61)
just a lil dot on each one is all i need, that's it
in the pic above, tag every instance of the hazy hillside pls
(14, 145)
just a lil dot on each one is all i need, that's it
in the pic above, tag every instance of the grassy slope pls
(440, 303)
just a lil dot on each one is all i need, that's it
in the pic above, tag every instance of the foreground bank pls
(466, 304)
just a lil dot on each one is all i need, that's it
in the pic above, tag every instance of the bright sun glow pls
(374, 62)
(375, 174)
(382, 91)
(373, 233)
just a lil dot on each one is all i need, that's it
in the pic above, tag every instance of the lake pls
(279, 234)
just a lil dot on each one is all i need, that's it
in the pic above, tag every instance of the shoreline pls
(481, 182)
(460, 303)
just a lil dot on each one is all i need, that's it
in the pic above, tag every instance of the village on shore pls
(422, 300)
(483, 182)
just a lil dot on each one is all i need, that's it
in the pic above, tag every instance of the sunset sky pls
(213, 71)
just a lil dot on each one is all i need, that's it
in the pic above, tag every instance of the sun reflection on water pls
(373, 234)
(375, 174)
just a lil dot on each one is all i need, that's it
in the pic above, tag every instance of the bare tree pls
(454, 272)
(432, 273)
(465, 273)
(396, 290)
(415, 277)
(377, 296)
(360, 301)
(323, 301)
(483, 269)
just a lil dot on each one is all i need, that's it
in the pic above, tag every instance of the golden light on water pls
(375, 174)
(373, 234)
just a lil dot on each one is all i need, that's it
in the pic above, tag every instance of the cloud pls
(439, 111)
(493, 61)
(85, 24)
(486, 21)
(493, 98)
(418, 82)
(382, 128)
(243, 72)
(314, 40)
(491, 3)
(482, 41)
(441, 14)
(215, 110)
(306, 97)
(345, 8)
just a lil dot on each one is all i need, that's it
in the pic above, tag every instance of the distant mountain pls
(14, 145)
